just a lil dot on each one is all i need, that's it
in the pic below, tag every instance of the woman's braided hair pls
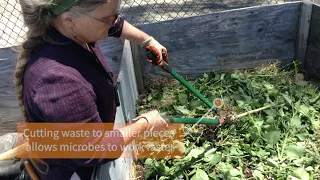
(38, 19)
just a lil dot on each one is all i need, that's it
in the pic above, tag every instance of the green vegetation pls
(281, 142)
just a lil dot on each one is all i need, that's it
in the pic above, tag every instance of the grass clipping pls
(280, 141)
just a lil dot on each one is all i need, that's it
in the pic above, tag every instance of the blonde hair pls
(38, 19)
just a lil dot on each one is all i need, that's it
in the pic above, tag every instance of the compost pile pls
(281, 142)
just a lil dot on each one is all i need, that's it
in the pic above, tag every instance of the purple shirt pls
(64, 83)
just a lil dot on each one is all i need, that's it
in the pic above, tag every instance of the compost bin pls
(209, 49)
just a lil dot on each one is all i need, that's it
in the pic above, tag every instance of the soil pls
(227, 115)
(299, 79)
(158, 84)
(247, 171)
(318, 138)
(139, 172)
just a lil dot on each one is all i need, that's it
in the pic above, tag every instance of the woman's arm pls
(133, 34)
(145, 41)
(125, 30)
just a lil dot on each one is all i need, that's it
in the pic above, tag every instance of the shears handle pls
(209, 121)
(153, 57)
(169, 119)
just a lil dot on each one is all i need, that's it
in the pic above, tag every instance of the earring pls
(75, 37)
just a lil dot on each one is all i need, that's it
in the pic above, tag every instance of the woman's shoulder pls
(42, 69)
(57, 92)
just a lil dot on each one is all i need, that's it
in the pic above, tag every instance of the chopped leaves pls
(281, 142)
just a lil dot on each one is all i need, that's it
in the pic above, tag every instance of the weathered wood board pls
(225, 41)
(303, 32)
(10, 112)
(312, 62)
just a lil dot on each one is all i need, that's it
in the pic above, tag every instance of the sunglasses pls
(112, 21)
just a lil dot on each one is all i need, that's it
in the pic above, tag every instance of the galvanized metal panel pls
(225, 41)
(121, 168)
(130, 93)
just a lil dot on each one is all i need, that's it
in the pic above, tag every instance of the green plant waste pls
(282, 142)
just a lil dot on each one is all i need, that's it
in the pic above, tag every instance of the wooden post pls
(316, 1)
(137, 67)
(303, 32)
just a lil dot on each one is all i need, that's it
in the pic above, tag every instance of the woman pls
(61, 75)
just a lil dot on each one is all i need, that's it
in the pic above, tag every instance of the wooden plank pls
(137, 67)
(303, 31)
(10, 112)
(312, 62)
(226, 41)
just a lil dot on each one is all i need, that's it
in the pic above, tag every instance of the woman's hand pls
(145, 41)
(154, 120)
(157, 49)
